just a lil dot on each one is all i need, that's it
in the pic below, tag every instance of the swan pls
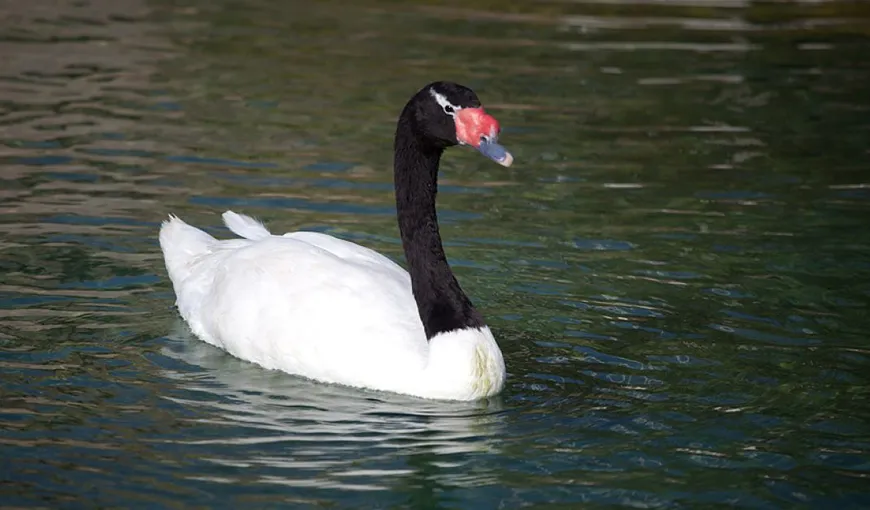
(319, 307)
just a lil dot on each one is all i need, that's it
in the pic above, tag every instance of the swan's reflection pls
(294, 428)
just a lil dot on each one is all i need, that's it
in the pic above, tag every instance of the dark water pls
(677, 267)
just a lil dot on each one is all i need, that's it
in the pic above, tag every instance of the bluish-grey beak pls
(495, 152)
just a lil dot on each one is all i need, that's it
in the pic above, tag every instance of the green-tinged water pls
(677, 266)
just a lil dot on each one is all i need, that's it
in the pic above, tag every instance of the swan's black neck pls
(442, 305)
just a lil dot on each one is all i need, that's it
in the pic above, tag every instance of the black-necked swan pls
(333, 311)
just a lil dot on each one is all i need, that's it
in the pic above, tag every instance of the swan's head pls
(450, 114)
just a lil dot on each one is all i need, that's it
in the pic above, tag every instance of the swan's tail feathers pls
(245, 226)
(181, 245)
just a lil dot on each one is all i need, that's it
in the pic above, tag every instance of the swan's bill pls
(495, 152)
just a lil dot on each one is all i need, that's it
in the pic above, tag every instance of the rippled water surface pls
(677, 267)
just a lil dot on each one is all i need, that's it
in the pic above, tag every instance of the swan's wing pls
(348, 250)
(249, 228)
(309, 304)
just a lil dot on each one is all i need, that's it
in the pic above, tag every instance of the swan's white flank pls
(323, 308)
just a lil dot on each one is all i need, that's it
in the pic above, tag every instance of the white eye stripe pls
(444, 103)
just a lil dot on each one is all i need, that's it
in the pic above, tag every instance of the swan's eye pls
(442, 101)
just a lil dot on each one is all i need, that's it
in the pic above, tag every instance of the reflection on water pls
(676, 267)
(321, 431)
